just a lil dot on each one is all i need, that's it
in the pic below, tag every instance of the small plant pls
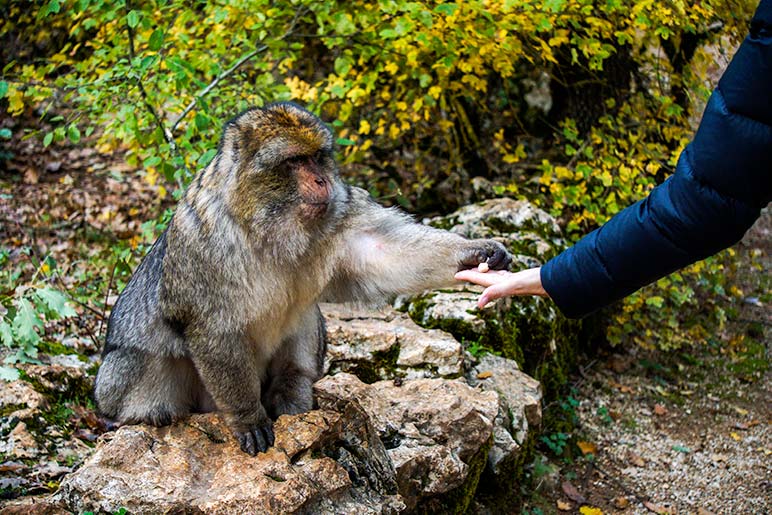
(556, 442)
(25, 310)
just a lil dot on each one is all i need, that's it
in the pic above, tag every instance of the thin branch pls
(214, 84)
(230, 71)
(168, 136)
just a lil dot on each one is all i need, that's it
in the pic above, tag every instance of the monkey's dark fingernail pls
(269, 436)
(261, 445)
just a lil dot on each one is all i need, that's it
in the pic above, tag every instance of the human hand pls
(504, 284)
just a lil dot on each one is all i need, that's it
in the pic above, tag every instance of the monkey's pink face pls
(314, 186)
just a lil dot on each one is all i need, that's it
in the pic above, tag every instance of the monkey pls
(222, 313)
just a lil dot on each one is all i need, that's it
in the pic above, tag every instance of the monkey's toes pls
(257, 439)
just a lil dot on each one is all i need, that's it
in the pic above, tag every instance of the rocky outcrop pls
(529, 330)
(378, 448)
(387, 344)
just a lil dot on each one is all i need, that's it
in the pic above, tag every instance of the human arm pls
(722, 180)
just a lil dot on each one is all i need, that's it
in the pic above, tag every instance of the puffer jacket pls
(722, 180)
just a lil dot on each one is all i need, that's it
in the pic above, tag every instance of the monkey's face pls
(285, 167)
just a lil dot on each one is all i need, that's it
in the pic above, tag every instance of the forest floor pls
(687, 431)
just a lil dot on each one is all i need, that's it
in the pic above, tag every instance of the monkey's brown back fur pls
(222, 313)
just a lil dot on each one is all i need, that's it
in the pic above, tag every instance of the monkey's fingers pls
(247, 442)
(499, 258)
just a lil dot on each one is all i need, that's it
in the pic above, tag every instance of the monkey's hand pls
(256, 439)
(484, 251)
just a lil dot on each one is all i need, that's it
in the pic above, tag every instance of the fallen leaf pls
(659, 409)
(735, 436)
(622, 388)
(589, 510)
(657, 509)
(718, 457)
(740, 411)
(484, 375)
(744, 426)
(621, 503)
(635, 459)
(572, 493)
(681, 448)
(703, 511)
(587, 448)
(563, 506)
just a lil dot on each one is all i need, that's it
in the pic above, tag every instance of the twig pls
(107, 296)
(229, 71)
(168, 136)
(214, 84)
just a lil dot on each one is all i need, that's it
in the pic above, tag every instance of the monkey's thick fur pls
(222, 313)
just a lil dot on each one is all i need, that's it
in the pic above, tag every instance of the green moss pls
(53, 348)
(382, 364)
(10, 408)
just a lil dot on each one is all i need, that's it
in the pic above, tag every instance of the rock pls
(197, 466)
(19, 443)
(18, 399)
(436, 432)
(62, 375)
(529, 330)
(528, 231)
(519, 409)
(387, 344)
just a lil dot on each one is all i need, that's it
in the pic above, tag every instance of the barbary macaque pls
(222, 312)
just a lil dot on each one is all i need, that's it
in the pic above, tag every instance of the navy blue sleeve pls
(722, 180)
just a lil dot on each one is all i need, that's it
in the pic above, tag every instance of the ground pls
(671, 432)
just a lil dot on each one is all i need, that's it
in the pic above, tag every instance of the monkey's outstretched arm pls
(385, 253)
(232, 378)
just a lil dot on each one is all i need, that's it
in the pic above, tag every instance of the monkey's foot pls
(257, 439)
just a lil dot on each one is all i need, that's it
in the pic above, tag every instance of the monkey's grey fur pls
(222, 313)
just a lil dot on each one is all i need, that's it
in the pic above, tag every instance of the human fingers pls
(482, 278)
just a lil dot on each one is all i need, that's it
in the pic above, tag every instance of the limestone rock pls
(435, 431)
(386, 344)
(18, 399)
(519, 407)
(19, 443)
(322, 461)
(531, 233)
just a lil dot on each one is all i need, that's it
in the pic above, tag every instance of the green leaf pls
(3, 88)
(156, 40)
(344, 142)
(8, 373)
(48, 139)
(344, 24)
(25, 322)
(132, 18)
(446, 9)
(6, 333)
(5, 133)
(343, 64)
(73, 133)
(202, 122)
(151, 161)
(56, 302)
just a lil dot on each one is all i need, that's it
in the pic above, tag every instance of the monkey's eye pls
(318, 157)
